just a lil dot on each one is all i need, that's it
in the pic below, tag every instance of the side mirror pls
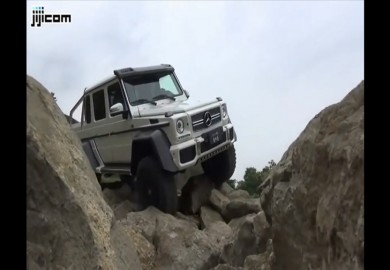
(116, 109)
(186, 93)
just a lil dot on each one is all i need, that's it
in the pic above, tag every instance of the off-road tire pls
(155, 186)
(221, 167)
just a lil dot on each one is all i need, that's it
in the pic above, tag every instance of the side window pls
(87, 111)
(99, 106)
(115, 95)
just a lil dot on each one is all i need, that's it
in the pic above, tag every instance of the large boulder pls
(178, 242)
(314, 197)
(69, 224)
(240, 207)
(208, 216)
(238, 193)
(243, 243)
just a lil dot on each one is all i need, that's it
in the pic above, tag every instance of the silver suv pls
(138, 126)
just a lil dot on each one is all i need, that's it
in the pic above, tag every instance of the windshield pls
(151, 87)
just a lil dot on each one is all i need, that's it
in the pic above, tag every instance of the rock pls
(241, 207)
(236, 223)
(220, 233)
(145, 250)
(191, 218)
(180, 245)
(225, 188)
(118, 195)
(69, 224)
(226, 267)
(123, 209)
(218, 201)
(314, 196)
(258, 261)
(195, 194)
(237, 194)
(208, 216)
(244, 242)
(123, 244)
(261, 226)
(262, 261)
(144, 222)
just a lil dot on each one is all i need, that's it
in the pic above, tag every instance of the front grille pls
(198, 121)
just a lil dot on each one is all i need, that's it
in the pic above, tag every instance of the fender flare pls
(154, 143)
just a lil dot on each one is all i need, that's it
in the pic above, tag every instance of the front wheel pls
(221, 167)
(155, 186)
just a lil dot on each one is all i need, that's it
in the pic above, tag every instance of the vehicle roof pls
(128, 72)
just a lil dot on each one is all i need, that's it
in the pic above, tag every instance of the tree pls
(253, 178)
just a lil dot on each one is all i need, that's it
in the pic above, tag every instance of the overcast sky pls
(275, 63)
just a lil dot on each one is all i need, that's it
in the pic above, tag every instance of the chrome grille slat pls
(198, 122)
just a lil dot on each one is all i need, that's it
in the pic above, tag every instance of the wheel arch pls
(154, 143)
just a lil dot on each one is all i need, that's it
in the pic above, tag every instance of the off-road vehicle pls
(139, 125)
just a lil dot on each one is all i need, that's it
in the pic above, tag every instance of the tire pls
(155, 186)
(221, 167)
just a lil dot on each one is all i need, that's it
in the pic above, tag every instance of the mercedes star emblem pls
(207, 119)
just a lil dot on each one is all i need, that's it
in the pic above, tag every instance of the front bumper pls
(189, 153)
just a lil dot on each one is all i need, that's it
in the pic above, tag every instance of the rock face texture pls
(69, 225)
(314, 197)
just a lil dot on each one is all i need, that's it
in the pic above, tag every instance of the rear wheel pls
(221, 167)
(155, 186)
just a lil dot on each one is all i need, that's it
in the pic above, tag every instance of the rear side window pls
(87, 109)
(99, 105)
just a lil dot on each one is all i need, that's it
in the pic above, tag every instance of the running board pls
(115, 170)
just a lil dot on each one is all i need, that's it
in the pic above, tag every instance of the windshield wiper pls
(143, 100)
(164, 96)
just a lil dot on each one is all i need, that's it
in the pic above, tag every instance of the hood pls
(165, 105)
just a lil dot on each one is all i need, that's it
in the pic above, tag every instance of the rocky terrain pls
(309, 214)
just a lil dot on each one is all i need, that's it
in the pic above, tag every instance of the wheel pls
(155, 186)
(221, 167)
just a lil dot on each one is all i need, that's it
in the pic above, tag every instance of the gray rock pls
(121, 210)
(225, 188)
(241, 207)
(236, 223)
(218, 201)
(226, 267)
(69, 224)
(258, 261)
(178, 242)
(244, 242)
(237, 194)
(261, 226)
(264, 261)
(314, 196)
(220, 233)
(195, 194)
(117, 196)
(145, 249)
(144, 222)
(209, 216)
(191, 218)
(180, 245)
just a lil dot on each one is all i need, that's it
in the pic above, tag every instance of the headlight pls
(224, 110)
(179, 126)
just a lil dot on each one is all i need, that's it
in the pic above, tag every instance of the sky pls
(276, 63)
